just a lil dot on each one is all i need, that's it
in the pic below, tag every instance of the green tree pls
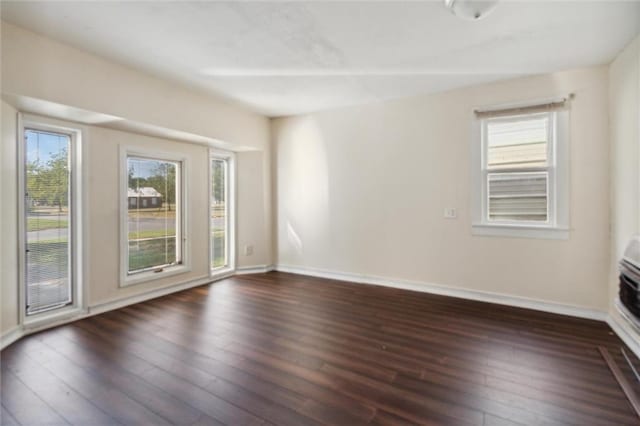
(164, 181)
(49, 183)
(217, 177)
(34, 182)
(53, 180)
(133, 181)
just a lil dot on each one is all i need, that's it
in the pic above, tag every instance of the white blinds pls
(518, 196)
(517, 168)
(48, 220)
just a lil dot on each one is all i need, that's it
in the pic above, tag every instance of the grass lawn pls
(50, 254)
(218, 249)
(161, 251)
(148, 253)
(40, 224)
(153, 213)
(155, 233)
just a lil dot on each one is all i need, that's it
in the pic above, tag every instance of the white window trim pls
(79, 234)
(558, 181)
(127, 279)
(231, 213)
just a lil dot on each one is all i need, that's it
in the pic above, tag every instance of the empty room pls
(320, 212)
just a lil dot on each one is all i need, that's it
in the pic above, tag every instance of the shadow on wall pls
(304, 167)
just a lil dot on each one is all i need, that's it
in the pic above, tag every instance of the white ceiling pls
(283, 58)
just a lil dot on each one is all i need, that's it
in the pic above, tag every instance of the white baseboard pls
(443, 290)
(10, 336)
(121, 303)
(256, 269)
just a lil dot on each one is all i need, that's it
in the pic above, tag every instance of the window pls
(153, 228)
(50, 185)
(520, 175)
(221, 211)
(48, 220)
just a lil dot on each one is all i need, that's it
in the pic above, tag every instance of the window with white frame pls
(50, 183)
(222, 211)
(152, 217)
(520, 174)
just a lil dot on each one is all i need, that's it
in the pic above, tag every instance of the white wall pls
(624, 83)
(41, 69)
(38, 67)
(8, 222)
(362, 190)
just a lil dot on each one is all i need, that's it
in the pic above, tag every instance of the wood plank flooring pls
(284, 349)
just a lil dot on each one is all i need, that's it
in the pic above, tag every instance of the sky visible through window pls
(144, 168)
(42, 146)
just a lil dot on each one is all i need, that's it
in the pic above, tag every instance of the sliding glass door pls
(221, 211)
(48, 220)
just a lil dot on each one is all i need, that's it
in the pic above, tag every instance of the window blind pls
(47, 220)
(517, 166)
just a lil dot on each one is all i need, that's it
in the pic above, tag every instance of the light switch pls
(450, 213)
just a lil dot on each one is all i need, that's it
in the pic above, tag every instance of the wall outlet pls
(450, 213)
(248, 250)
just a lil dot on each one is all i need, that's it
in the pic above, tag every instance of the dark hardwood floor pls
(285, 349)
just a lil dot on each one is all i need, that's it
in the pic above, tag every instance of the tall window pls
(154, 211)
(521, 173)
(48, 220)
(221, 211)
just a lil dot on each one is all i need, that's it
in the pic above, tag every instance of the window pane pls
(152, 213)
(219, 212)
(518, 196)
(48, 220)
(517, 143)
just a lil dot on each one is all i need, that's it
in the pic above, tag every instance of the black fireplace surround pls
(629, 294)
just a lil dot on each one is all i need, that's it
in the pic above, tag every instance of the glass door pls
(47, 218)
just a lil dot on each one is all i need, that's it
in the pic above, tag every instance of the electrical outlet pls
(248, 250)
(450, 213)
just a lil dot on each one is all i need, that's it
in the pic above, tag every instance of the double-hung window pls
(152, 216)
(520, 174)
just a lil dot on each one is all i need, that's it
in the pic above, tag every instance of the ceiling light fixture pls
(472, 10)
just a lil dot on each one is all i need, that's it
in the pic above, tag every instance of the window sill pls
(151, 275)
(520, 231)
(37, 321)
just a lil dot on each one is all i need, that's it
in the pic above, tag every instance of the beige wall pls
(362, 190)
(624, 83)
(104, 212)
(8, 222)
(254, 194)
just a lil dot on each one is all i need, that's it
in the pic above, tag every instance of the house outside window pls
(520, 172)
